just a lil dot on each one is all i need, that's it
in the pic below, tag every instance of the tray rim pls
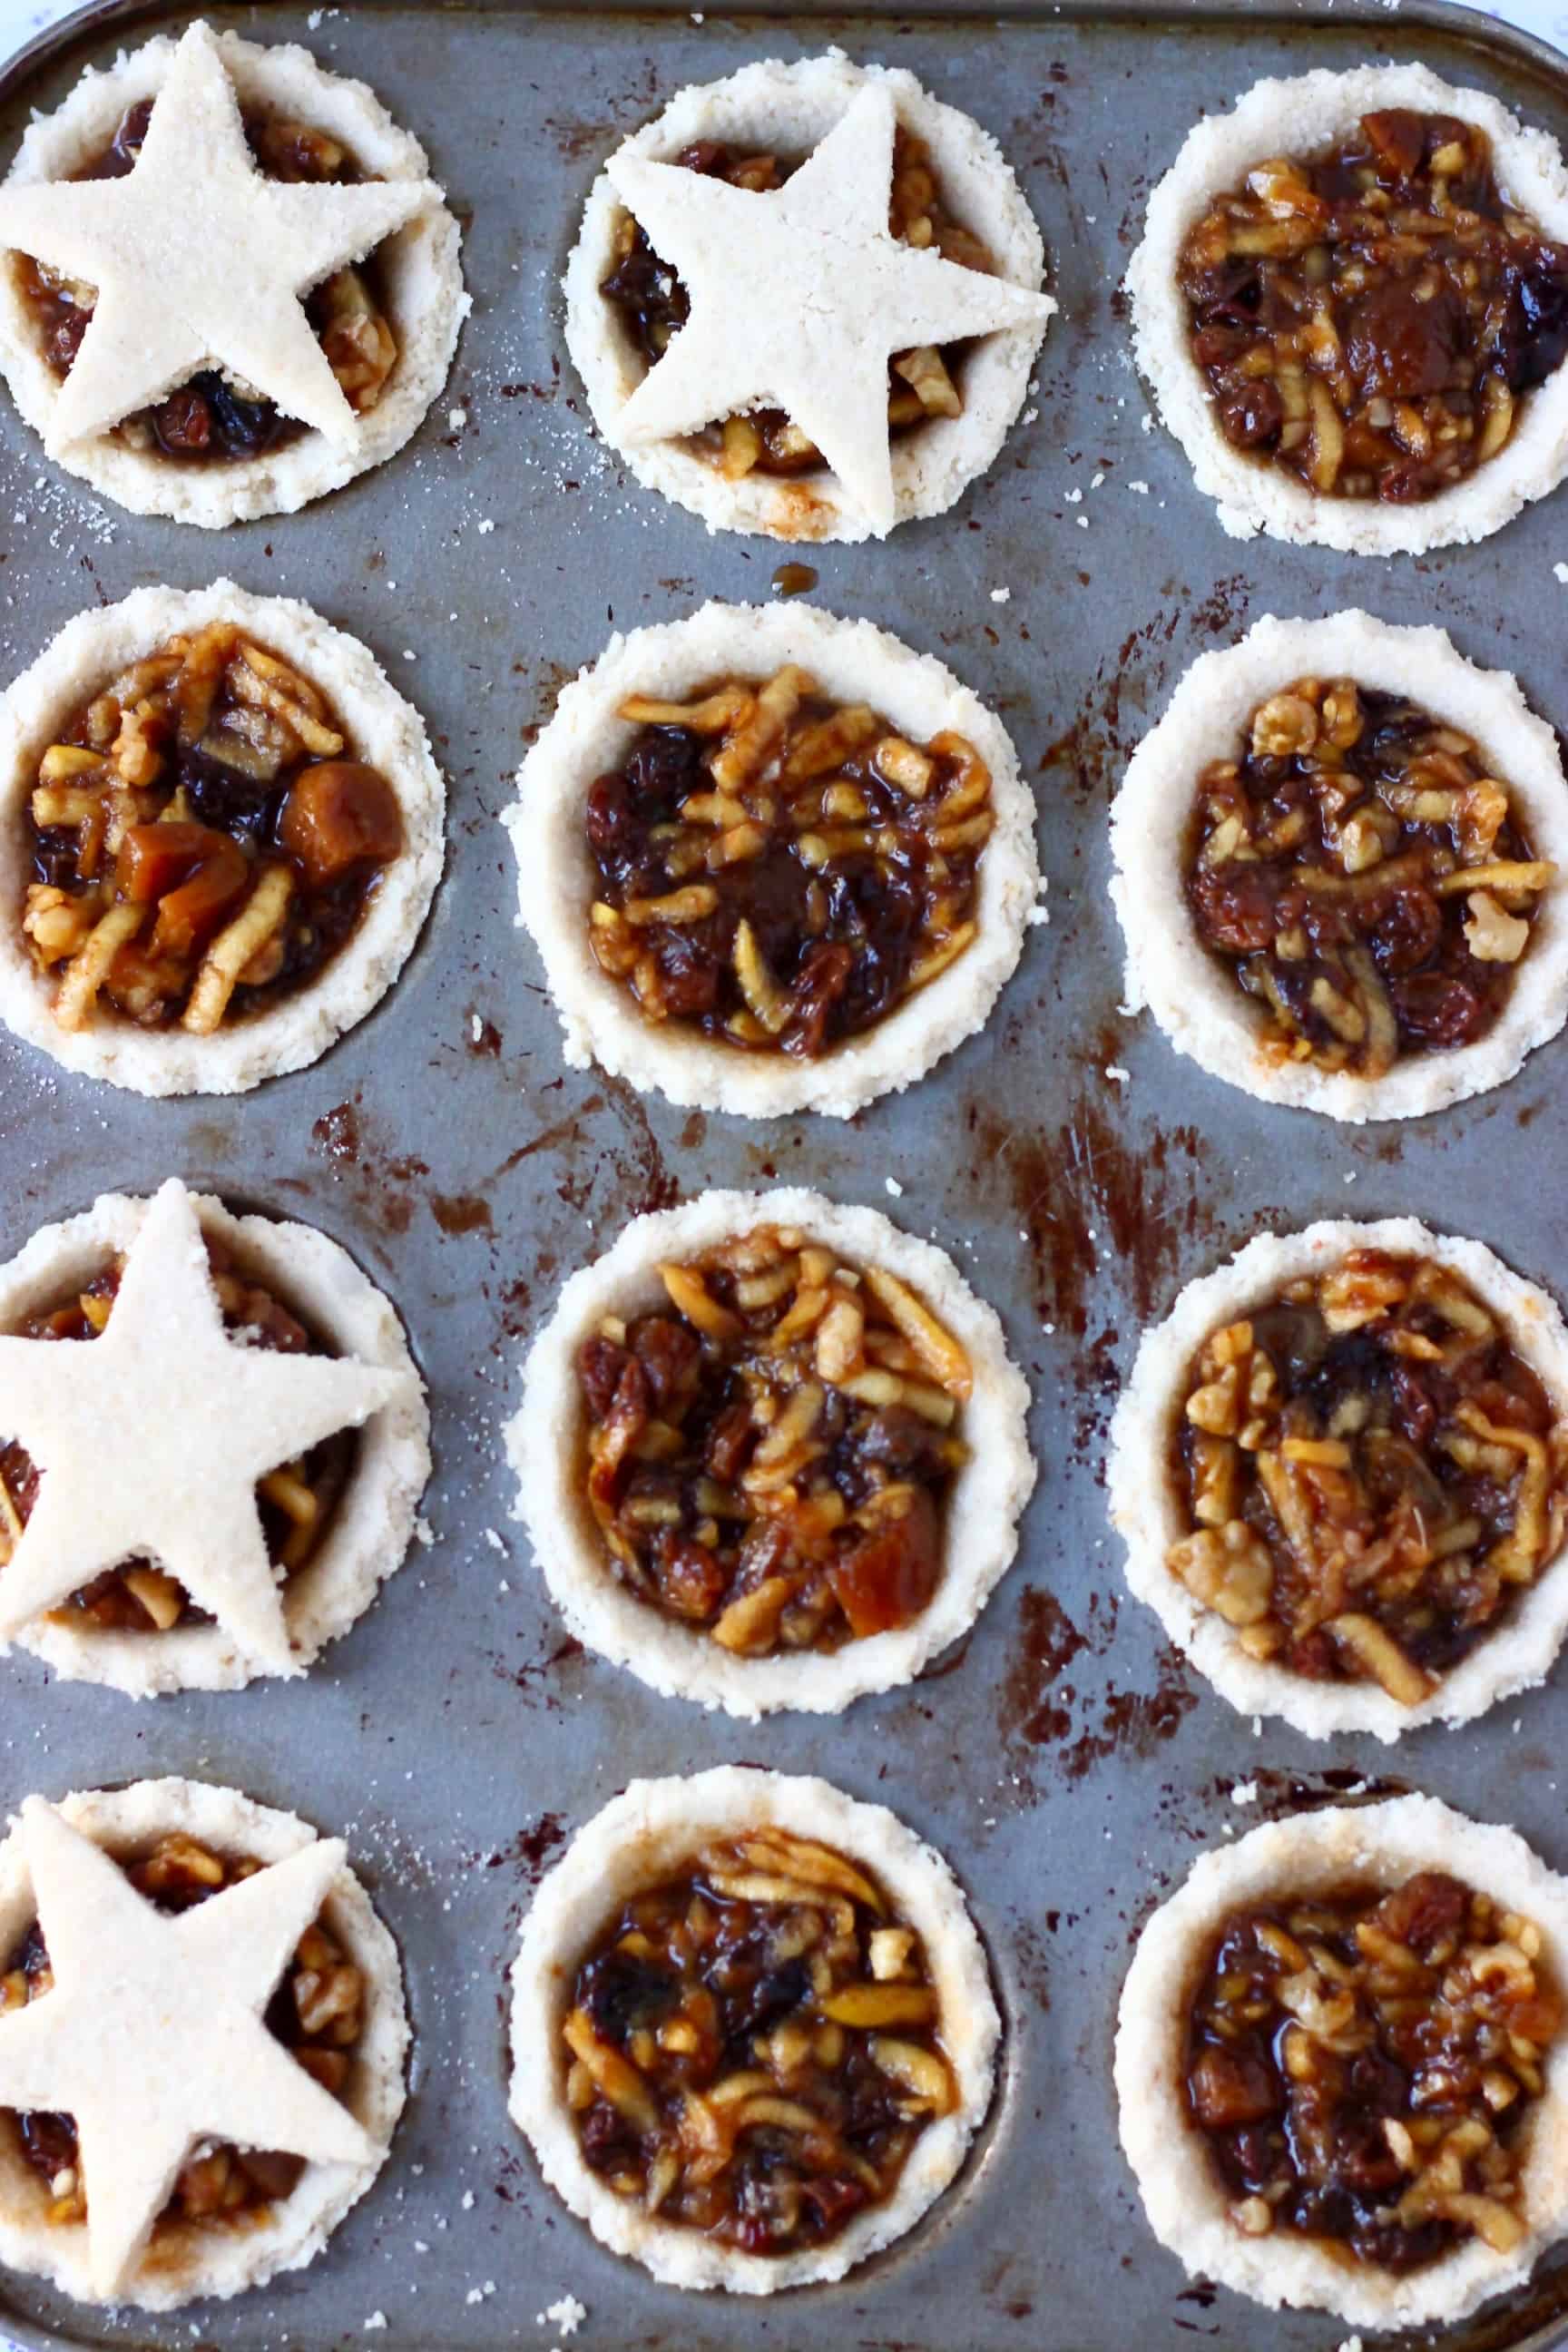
(1512, 46)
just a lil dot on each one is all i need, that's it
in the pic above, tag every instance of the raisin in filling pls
(1373, 1474)
(317, 2013)
(1363, 2066)
(923, 383)
(297, 1501)
(210, 419)
(771, 1458)
(1372, 319)
(752, 2047)
(203, 841)
(1364, 875)
(779, 871)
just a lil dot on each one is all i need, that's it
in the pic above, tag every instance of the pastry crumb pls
(457, 418)
(377, 2319)
(1001, 595)
(895, 1188)
(1244, 1793)
(1117, 1074)
(566, 2317)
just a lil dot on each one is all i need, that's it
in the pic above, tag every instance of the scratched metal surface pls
(1065, 1761)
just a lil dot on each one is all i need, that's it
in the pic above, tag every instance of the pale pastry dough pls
(651, 1829)
(851, 662)
(545, 1447)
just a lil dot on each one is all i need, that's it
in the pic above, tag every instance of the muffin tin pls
(1064, 1761)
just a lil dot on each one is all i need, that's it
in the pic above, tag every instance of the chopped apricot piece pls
(886, 1580)
(194, 873)
(340, 814)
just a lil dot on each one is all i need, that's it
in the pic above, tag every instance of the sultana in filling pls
(923, 383)
(1372, 319)
(753, 2046)
(202, 838)
(1371, 1473)
(780, 871)
(317, 2013)
(1364, 875)
(297, 1501)
(214, 417)
(770, 1458)
(1364, 2067)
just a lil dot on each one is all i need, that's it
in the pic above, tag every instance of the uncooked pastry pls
(383, 729)
(851, 662)
(1196, 1001)
(1183, 2198)
(1149, 1514)
(544, 1445)
(642, 1836)
(1301, 116)
(792, 108)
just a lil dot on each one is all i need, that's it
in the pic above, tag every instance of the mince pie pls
(186, 2109)
(1339, 2063)
(1338, 857)
(771, 1453)
(1352, 300)
(752, 2028)
(1340, 1469)
(821, 192)
(226, 831)
(291, 272)
(774, 861)
(279, 1367)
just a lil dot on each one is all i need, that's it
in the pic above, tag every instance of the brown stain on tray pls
(1048, 1722)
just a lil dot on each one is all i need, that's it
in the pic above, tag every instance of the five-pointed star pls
(151, 2038)
(198, 261)
(151, 1438)
(800, 295)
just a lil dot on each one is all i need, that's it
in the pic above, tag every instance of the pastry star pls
(799, 296)
(150, 1440)
(198, 261)
(152, 2037)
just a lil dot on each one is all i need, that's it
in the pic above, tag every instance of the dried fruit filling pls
(754, 2047)
(923, 383)
(203, 840)
(1366, 877)
(316, 2012)
(213, 418)
(296, 1501)
(1363, 2065)
(779, 870)
(1372, 319)
(770, 1459)
(1372, 1474)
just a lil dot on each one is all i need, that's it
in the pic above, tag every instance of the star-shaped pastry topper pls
(152, 2037)
(800, 294)
(151, 1438)
(199, 261)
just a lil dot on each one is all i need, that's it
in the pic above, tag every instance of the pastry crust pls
(370, 1529)
(1148, 1514)
(421, 265)
(185, 2260)
(544, 1442)
(1300, 117)
(1195, 1000)
(852, 662)
(383, 729)
(652, 1827)
(1183, 2198)
(792, 108)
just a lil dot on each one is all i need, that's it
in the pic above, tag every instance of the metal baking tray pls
(1063, 1759)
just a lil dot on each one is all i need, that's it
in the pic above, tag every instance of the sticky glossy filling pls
(202, 841)
(1364, 875)
(297, 1501)
(317, 2013)
(212, 419)
(1364, 2067)
(1373, 1474)
(769, 1456)
(923, 383)
(752, 2047)
(779, 871)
